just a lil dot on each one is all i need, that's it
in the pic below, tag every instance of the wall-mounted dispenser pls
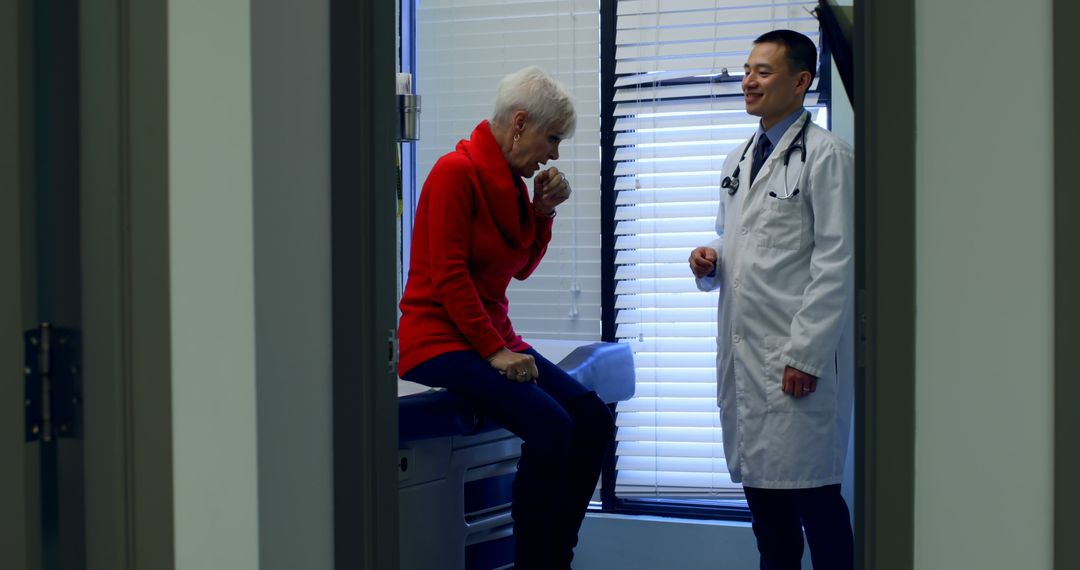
(408, 109)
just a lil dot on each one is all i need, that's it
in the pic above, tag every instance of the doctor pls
(783, 263)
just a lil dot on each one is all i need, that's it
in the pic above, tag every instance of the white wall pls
(291, 109)
(212, 285)
(983, 290)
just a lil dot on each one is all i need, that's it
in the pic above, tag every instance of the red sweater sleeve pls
(450, 205)
(539, 245)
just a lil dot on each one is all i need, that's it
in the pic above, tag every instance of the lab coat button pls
(742, 231)
(735, 284)
(736, 339)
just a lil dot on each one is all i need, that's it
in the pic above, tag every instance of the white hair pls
(546, 101)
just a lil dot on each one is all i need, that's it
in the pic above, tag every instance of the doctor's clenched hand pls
(702, 261)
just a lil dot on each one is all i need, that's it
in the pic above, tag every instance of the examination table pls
(456, 468)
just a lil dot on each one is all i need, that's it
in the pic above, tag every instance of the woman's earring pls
(517, 136)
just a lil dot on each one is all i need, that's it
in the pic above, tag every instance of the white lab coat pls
(785, 273)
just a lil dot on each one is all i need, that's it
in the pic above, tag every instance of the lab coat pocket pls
(823, 398)
(782, 223)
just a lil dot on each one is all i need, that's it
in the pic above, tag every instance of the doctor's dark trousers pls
(779, 517)
(567, 432)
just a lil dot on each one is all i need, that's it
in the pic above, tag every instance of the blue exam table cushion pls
(603, 367)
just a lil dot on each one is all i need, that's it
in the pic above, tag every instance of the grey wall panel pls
(291, 145)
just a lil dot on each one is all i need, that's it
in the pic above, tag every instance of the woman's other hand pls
(550, 188)
(516, 366)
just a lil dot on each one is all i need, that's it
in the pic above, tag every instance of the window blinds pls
(676, 118)
(464, 48)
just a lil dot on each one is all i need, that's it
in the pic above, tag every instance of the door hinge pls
(52, 381)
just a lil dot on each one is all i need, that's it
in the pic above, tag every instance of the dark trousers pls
(780, 515)
(567, 432)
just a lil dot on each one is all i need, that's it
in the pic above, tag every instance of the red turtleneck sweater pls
(475, 229)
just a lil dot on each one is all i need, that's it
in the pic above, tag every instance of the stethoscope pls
(799, 144)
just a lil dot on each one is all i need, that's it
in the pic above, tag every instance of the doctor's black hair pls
(801, 51)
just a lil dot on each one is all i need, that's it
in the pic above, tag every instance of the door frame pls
(127, 372)
(18, 541)
(126, 366)
(885, 384)
(143, 165)
(885, 416)
(1066, 17)
(363, 283)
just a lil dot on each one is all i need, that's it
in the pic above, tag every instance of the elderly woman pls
(476, 227)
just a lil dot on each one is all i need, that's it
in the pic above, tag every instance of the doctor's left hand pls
(797, 383)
